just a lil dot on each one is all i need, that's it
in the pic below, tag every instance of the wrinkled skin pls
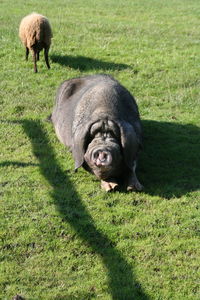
(98, 120)
(103, 157)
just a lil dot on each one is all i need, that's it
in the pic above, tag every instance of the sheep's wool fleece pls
(35, 28)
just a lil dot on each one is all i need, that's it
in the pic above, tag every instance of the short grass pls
(61, 236)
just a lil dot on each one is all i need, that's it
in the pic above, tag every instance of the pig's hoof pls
(137, 186)
(109, 186)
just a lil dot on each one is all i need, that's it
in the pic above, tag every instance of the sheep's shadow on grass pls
(170, 161)
(17, 164)
(121, 279)
(83, 63)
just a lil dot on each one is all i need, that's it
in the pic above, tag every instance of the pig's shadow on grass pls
(121, 279)
(170, 161)
(83, 63)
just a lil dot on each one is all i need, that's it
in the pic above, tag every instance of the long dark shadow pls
(169, 165)
(170, 160)
(121, 279)
(83, 63)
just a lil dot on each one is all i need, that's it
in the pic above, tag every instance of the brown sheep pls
(35, 34)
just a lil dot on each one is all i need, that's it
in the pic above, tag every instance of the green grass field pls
(62, 237)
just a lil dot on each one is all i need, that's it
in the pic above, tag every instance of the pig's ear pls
(80, 143)
(130, 143)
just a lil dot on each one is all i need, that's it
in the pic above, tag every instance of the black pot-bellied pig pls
(98, 119)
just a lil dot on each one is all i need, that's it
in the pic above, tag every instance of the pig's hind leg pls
(133, 183)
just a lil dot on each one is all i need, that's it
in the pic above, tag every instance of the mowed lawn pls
(62, 237)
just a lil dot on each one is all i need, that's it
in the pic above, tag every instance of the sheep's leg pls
(38, 55)
(27, 53)
(35, 61)
(46, 51)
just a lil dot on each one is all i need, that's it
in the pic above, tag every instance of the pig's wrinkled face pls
(103, 156)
